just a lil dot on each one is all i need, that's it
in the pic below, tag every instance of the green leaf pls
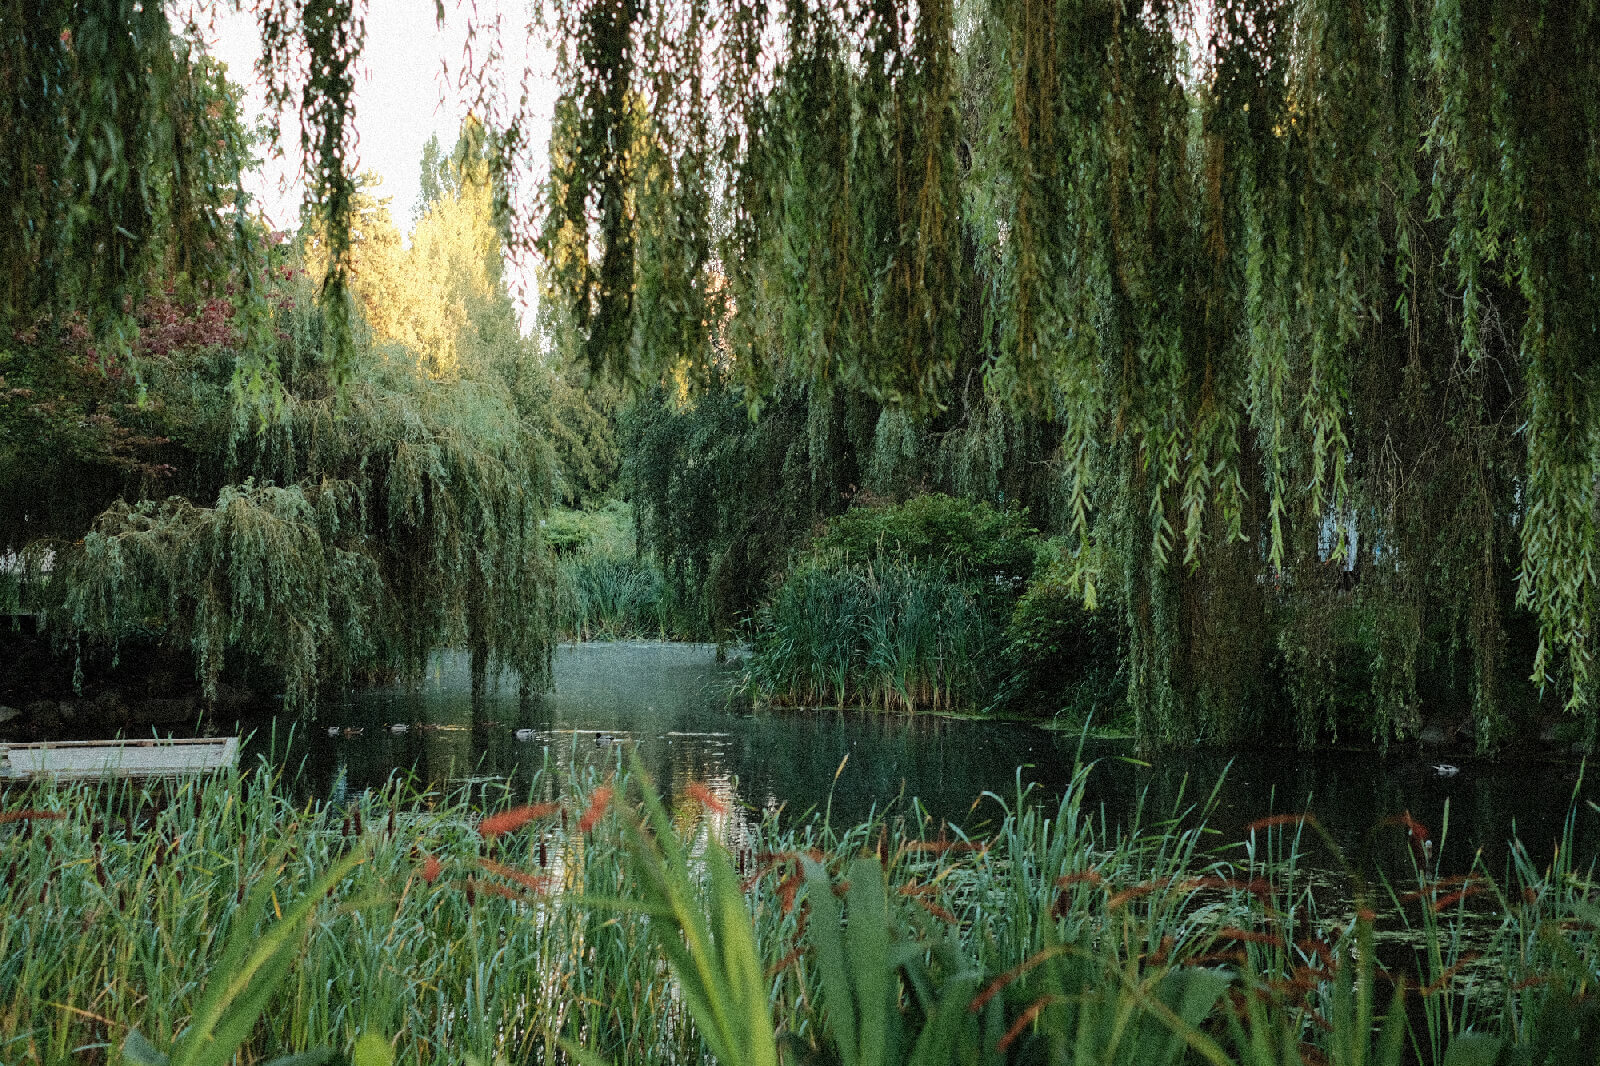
(1473, 1049)
(827, 938)
(136, 1049)
(250, 968)
(372, 1050)
(582, 1055)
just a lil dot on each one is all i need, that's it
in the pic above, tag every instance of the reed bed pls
(519, 923)
(601, 596)
(894, 635)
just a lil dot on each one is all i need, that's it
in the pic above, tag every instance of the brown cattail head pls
(431, 869)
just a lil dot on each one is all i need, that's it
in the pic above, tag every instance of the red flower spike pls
(515, 818)
(599, 800)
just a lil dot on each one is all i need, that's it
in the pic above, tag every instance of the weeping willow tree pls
(1296, 298)
(1306, 290)
(381, 498)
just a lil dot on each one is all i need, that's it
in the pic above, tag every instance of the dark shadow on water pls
(670, 703)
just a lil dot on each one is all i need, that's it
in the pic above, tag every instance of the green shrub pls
(1059, 655)
(990, 547)
(606, 530)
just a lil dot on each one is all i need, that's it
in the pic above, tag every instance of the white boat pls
(91, 759)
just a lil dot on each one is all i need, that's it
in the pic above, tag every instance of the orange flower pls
(515, 818)
(702, 795)
(599, 799)
(431, 869)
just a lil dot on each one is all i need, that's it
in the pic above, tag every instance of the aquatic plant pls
(890, 634)
(576, 916)
(600, 596)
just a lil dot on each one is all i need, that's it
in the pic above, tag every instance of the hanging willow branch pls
(1195, 232)
(1265, 266)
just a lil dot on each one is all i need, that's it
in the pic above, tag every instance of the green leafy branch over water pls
(595, 923)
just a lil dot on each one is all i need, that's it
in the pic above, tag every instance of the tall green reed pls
(895, 635)
(574, 916)
(600, 596)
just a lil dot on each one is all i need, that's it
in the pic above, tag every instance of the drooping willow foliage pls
(363, 528)
(1306, 288)
(118, 159)
(122, 154)
(388, 504)
(1275, 287)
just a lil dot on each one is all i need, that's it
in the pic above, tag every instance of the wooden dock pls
(106, 759)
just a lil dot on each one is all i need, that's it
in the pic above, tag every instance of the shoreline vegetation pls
(1267, 334)
(520, 922)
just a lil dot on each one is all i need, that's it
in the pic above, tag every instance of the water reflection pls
(670, 703)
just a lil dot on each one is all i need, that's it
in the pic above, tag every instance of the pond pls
(670, 703)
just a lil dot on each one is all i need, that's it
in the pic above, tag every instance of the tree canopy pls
(380, 496)
(1278, 286)
(1298, 284)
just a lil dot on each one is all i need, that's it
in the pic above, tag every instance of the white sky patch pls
(410, 85)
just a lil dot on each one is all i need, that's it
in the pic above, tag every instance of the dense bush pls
(607, 529)
(1059, 655)
(898, 606)
(989, 546)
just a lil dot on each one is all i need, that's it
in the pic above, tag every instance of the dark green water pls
(669, 702)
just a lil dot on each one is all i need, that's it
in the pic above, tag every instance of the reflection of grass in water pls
(1052, 928)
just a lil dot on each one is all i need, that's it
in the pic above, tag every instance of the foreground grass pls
(512, 923)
